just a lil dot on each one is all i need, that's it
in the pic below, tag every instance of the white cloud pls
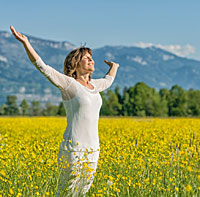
(162, 84)
(137, 59)
(180, 50)
(3, 59)
(6, 35)
(22, 89)
(110, 56)
(47, 91)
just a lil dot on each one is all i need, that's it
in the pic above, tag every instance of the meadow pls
(138, 157)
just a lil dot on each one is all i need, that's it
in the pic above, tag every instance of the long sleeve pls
(103, 83)
(56, 78)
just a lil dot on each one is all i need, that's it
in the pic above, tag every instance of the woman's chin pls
(92, 70)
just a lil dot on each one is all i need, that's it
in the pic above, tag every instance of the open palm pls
(18, 36)
(111, 63)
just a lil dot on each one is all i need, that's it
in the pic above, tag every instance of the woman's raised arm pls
(56, 78)
(104, 83)
(113, 68)
(33, 56)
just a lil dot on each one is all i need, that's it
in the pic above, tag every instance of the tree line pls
(138, 100)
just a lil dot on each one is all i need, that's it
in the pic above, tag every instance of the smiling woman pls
(79, 149)
(79, 62)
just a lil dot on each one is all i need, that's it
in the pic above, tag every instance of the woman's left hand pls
(111, 64)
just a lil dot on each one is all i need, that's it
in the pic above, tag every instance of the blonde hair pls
(72, 60)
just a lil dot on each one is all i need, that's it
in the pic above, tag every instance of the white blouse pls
(82, 107)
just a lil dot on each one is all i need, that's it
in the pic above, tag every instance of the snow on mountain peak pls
(168, 57)
(5, 34)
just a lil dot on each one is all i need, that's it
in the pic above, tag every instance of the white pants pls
(76, 172)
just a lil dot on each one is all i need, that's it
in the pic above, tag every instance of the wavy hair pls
(72, 60)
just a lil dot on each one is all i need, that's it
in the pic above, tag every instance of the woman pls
(79, 149)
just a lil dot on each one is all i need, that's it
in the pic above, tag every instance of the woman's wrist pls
(115, 65)
(25, 42)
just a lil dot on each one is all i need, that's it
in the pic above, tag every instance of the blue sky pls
(172, 24)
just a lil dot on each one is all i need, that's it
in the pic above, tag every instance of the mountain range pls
(154, 66)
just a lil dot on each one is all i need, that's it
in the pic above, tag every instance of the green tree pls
(145, 101)
(164, 96)
(11, 106)
(120, 99)
(24, 107)
(61, 109)
(138, 96)
(112, 104)
(35, 108)
(50, 110)
(125, 102)
(177, 101)
(193, 102)
(3, 109)
(104, 110)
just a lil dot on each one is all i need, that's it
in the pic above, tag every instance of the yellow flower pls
(139, 184)
(11, 191)
(3, 172)
(118, 190)
(92, 185)
(188, 188)
(144, 144)
(189, 168)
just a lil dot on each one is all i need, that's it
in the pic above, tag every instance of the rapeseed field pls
(138, 157)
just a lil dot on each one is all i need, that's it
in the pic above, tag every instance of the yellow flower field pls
(138, 157)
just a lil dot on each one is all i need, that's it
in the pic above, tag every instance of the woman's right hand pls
(18, 36)
(33, 56)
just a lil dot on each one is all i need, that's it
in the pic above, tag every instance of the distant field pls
(139, 157)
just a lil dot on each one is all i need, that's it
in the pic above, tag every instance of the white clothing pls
(80, 143)
(75, 178)
(82, 107)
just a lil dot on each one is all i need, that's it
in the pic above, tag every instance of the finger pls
(12, 29)
(107, 62)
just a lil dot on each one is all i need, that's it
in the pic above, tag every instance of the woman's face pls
(86, 65)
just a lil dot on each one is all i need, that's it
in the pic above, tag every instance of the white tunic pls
(82, 107)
